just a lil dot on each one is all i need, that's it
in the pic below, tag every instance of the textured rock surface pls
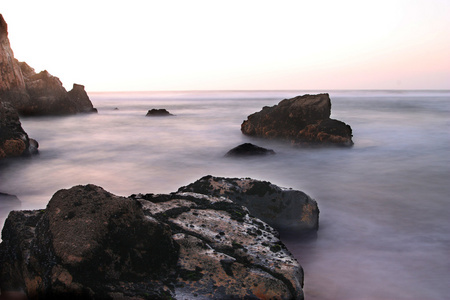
(35, 94)
(158, 113)
(14, 141)
(303, 120)
(91, 244)
(284, 209)
(248, 149)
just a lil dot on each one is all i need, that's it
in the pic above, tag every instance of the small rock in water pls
(249, 149)
(158, 113)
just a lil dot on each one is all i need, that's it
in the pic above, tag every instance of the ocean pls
(384, 203)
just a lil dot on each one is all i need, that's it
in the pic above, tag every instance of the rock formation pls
(35, 94)
(14, 141)
(91, 244)
(158, 113)
(248, 149)
(284, 209)
(303, 120)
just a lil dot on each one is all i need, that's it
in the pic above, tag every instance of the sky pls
(171, 45)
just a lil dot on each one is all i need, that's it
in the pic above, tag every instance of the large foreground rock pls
(14, 141)
(303, 120)
(34, 93)
(91, 244)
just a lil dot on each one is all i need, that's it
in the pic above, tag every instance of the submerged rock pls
(248, 149)
(91, 244)
(7, 200)
(284, 209)
(303, 120)
(32, 93)
(158, 113)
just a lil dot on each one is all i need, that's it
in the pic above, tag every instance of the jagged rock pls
(158, 113)
(14, 141)
(90, 244)
(303, 120)
(248, 149)
(35, 94)
(284, 209)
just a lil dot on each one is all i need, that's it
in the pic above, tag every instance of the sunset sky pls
(234, 45)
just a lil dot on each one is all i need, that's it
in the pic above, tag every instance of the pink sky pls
(235, 45)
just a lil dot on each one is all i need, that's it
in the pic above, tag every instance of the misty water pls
(384, 203)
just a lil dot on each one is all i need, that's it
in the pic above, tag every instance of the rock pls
(81, 99)
(248, 149)
(158, 113)
(36, 94)
(284, 209)
(14, 141)
(12, 84)
(303, 120)
(91, 244)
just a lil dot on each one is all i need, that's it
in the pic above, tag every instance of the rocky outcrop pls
(14, 141)
(303, 120)
(91, 244)
(284, 209)
(36, 94)
(248, 149)
(158, 113)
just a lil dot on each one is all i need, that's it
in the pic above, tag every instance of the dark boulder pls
(248, 149)
(158, 113)
(303, 120)
(91, 244)
(14, 141)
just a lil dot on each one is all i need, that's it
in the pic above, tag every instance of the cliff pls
(34, 93)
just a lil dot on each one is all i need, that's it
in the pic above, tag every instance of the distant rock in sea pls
(248, 149)
(303, 120)
(158, 113)
(91, 244)
(32, 93)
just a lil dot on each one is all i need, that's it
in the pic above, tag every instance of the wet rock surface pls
(14, 141)
(91, 244)
(284, 209)
(303, 120)
(248, 149)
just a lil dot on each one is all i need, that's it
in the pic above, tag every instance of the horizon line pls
(271, 90)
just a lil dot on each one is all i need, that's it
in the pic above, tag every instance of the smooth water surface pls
(385, 203)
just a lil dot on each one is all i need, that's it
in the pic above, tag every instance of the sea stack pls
(302, 120)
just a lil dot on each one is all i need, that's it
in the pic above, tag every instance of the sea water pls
(384, 203)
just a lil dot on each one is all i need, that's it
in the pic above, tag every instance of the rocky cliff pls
(34, 93)
(91, 244)
(302, 120)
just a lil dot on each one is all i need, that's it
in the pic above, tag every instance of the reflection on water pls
(384, 230)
